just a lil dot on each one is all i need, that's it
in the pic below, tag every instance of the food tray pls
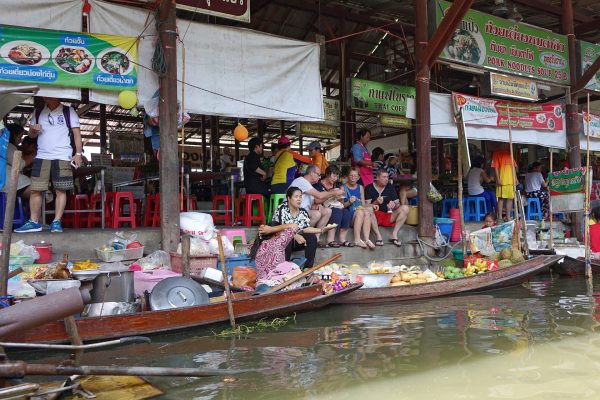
(120, 255)
(197, 264)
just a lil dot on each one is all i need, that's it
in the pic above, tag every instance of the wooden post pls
(203, 133)
(588, 185)
(514, 172)
(181, 183)
(103, 128)
(460, 190)
(551, 242)
(226, 281)
(169, 210)
(185, 255)
(9, 214)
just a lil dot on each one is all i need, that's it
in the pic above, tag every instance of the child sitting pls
(489, 220)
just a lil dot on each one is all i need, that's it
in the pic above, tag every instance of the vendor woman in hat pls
(317, 158)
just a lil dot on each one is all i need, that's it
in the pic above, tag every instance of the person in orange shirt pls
(505, 181)
(318, 159)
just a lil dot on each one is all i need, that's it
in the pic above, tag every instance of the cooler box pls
(232, 262)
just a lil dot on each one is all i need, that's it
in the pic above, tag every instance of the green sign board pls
(589, 53)
(380, 97)
(71, 59)
(567, 181)
(499, 44)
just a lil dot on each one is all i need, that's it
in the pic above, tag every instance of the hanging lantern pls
(127, 99)
(240, 132)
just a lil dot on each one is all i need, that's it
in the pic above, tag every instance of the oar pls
(302, 275)
(226, 281)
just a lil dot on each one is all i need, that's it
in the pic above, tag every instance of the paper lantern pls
(240, 132)
(127, 99)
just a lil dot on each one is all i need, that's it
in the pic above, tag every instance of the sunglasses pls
(50, 119)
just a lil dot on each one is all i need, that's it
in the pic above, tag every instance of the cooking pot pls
(45, 251)
(113, 286)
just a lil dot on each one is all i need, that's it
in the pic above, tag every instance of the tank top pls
(474, 182)
(353, 192)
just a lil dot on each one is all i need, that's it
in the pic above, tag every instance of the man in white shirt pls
(53, 160)
(319, 215)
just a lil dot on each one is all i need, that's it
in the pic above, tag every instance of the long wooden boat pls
(574, 262)
(502, 277)
(245, 307)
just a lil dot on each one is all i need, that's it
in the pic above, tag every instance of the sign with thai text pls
(72, 59)
(594, 125)
(492, 112)
(513, 86)
(567, 189)
(318, 130)
(589, 53)
(380, 97)
(502, 45)
(394, 121)
(238, 10)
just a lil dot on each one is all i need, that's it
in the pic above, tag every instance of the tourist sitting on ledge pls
(388, 210)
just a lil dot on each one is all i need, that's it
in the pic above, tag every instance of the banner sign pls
(380, 97)
(594, 120)
(394, 121)
(513, 86)
(331, 110)
(318, 130)
(567, 189)
(491, 112)
(238, 10)
(503, 45)
(191, 154)
(589, 53)
(71, 59)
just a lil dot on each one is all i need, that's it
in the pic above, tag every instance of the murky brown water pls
(535, 342)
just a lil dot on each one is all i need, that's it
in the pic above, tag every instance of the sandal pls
(361, 244)
(333, 244)
(370, 244)
(379, 242)
(347, 244)
(396, 242)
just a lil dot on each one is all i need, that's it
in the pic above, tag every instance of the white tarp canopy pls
(443, 127)
(229, 71)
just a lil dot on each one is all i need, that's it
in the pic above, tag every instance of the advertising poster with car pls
(71, 59)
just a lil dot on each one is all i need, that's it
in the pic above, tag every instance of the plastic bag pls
(158, 259)
(198, 247)
(197, 224)
(21, 249)
(434, 195)
(244, 277)
(228, 248)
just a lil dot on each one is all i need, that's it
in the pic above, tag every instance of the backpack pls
(67, 115)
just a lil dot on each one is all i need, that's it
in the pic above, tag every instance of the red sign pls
(492, 112)
(238, 10)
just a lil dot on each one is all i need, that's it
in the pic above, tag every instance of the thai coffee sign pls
(380, 97)
(492, 112)
(513, 86)
(72, 59)
(589, 53)
(238, 10)
(502, 45)
(567, 189)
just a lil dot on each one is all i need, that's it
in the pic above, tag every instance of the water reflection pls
(500, 344)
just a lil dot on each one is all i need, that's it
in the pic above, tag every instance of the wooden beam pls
(588, 27)
(168, 167)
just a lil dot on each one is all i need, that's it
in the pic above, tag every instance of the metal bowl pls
(375, 280)
(109, 308)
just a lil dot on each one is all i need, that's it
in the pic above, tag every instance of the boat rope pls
(422, 245)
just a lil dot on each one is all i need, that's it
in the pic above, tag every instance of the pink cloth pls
(272, 253)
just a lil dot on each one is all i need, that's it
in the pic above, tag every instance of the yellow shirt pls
(284, 168)
(319, 161)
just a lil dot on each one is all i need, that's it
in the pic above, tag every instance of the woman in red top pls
(595, 231)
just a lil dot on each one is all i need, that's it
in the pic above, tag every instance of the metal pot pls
(113, 286)
(109, 308)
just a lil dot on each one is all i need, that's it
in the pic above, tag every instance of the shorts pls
(505, 192)
(59, 170)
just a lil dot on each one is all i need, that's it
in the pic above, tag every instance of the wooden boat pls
(502, 277)
(245, 306)
(574, 261)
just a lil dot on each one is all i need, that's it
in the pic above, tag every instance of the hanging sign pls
(191, 154)
(589, 53)
(71, 59)
(491, 112)
(513, 86)
(502, 45)
(394, 121)
(594, 121)
(567, 189)
(329, 127)
(380, 97)
(238, 10)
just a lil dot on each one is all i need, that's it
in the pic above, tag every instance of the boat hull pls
(152, 322)
(574, 267)
(499, 278)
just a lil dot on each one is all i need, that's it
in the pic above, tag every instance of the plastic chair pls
(80, 202)
(19, 217)
(447, 205)
(534, 209)
(224, 215)
(95, 203)
(152, 211)
(275, 201)
(245, 214)
(475, 208)
(414, 201)
(118, 215)
(231, 234)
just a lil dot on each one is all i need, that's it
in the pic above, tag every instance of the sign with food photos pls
(71, 59)
(503, 45)
(589, 53)
(567, 189)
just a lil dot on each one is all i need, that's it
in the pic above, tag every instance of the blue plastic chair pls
(475, 208)
(447, 205)
(19, 217)
(534, 209)
(414, 201)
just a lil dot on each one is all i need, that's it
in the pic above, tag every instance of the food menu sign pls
(589, 53)
(491, 112)
(567, 189)
(380, 97)
(238, 10)
(70, 59)
(503, 45)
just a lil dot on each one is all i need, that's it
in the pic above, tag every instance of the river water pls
(537, 341)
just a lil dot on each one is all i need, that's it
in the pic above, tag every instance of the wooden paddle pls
(226, 281)
(302, 275)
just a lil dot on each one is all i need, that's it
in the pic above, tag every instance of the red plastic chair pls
(81, 202)
(119, 216)
(152, 212)
(96, 217)
(244, 208)
(225, 201)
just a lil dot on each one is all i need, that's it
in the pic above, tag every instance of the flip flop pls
(361, 244)
(347, 244)
(379, 242)
(370, 244)
(333, 244)
(396, 242)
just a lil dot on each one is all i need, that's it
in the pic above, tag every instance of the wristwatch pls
(78, 154)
